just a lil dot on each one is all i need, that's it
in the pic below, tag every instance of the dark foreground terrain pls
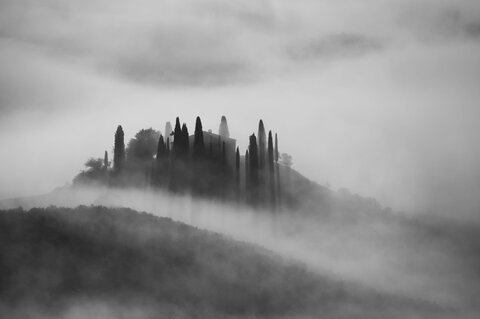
(95, 262)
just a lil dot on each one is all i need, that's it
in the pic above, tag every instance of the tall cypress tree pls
(271, 171)
(177, 138)
(262, 145)
(277, 169)
(198, 143)
(185, 141)
(223, 129)
(253, 159)
(119, 150)
(247, 170)
(276, 148)
(237, 162)
(270, 151)
(105, 160)
(237, 173)
(161, 149)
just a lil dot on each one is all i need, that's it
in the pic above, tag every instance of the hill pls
(94, 262)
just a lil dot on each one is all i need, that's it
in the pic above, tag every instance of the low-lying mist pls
(423, 258)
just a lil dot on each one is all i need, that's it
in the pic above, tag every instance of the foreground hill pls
(94, 262)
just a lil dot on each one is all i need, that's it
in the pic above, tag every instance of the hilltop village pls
(203, 164)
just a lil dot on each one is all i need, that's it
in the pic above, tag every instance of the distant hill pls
(94, 262)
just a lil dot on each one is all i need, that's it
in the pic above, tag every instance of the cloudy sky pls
(385, 92)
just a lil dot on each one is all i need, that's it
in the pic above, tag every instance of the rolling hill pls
(97, 262)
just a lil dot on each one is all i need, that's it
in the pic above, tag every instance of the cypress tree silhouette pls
(276, 148)
(247, 170)
(105, 161)
(177, 138)
(237, 162)
(198, 143)
(223, 129)
(278, 190)
(271, 171)
(185, 141)
(253, 159)
(161, 149)
(119, 150)
(253, 171)
(167, 146)
(262, 145)
(237, 172)
(270, 150)
(161, 161)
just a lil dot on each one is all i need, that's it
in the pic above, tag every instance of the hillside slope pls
(94, 262)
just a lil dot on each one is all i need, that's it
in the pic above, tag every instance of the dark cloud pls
(193, 44)
(335, 46)
(441, 22)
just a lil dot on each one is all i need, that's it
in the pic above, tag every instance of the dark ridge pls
(54, 260)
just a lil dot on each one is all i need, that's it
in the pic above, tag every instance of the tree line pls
(203, 164)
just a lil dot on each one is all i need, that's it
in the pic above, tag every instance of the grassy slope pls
(53, 260)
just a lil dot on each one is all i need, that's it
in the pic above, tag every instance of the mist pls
(384, 91)
(422, 258)
(388, 89)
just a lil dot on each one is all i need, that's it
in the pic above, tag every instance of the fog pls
(424, 258)
(388, 90)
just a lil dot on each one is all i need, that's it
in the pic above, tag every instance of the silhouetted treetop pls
(253, 159)
(151, 159)
(185, 139)
(161, 148)
(198, 142)
(270, 150)
(106, 163)
(177, 137)
(262, 145)
(237, 159)
(143, 146)
(95, 164)
(119, 150)
(276, 147)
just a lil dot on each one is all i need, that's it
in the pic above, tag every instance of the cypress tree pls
(198, 143)
(277, 169)
(161, 149)
(223, 129)
(237, 162)
(119, 150)
(262, 145)
(105, 160)
(177, 138)
(270, 151)
(253, 159)
(185, 141)
(276, 148)
(271, 171)
(247, 169)
(237, 173)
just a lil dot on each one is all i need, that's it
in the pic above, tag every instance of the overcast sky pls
(378, 96)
